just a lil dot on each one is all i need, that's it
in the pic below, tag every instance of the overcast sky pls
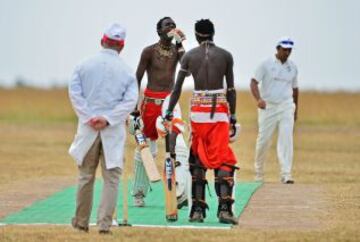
(43, 40)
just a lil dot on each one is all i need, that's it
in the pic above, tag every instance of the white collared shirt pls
(105, 86)
(276, 80)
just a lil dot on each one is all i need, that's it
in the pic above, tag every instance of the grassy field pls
(37, 127)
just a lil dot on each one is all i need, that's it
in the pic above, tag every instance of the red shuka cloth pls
(210, 142)
(150, 111)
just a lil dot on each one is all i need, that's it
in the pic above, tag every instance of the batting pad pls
(59, 208)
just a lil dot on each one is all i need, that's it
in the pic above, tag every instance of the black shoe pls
(105, 232)
(197, 217)
(226, 218)
(287, 181)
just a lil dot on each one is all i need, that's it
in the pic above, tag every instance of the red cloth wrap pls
(112, 41)
(150, 111)
(210, 142)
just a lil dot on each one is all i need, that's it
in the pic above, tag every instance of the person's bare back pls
(208, 65)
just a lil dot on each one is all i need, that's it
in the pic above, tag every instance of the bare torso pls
(159, 62)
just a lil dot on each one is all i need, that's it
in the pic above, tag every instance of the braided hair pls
(204, 30)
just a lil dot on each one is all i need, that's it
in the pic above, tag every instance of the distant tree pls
(20, 81)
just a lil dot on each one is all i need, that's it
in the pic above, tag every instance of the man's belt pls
(209, 99)
(157, 101)
(208, 94)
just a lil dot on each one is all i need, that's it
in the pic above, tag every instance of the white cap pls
(285, 42)
(115, 32)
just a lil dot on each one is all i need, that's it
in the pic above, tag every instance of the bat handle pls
(167, 143)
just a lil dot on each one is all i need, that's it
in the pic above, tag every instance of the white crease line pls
(132, 225)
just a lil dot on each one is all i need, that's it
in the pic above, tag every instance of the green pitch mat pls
(59, 208)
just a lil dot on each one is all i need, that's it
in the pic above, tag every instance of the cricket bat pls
(146, 156)
(171, 212)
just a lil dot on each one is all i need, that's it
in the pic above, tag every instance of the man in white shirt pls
(277, 108)
(103, 92)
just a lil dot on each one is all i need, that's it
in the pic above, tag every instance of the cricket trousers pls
(86, 179)
(280, 116)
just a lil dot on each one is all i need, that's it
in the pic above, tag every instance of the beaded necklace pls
(163, 50)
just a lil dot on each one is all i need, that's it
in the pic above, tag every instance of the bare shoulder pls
(194, 52)
(148, 49)
(224, 52)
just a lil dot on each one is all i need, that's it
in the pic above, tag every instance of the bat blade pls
(170, 190)
(149, 165)
(146, 157)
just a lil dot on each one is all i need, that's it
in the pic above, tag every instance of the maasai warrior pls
(159, 61)
(212, 109)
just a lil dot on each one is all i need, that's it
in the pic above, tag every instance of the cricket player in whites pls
(159, 61)
(277, 102)
(213, 120)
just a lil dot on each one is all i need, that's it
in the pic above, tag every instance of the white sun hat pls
(115, 32)
(285, 42)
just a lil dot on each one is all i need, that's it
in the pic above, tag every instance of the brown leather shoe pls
(79, 227)
(226, 218)
(104, 232)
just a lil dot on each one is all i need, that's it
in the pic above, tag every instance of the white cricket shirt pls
(276, 80)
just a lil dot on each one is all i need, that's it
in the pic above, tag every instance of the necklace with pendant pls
(164, 51)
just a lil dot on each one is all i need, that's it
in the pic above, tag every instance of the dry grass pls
(36, 128)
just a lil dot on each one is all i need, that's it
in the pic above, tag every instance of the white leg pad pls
(183, 176)
(141, 180)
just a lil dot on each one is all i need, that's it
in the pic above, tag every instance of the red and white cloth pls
(201, 106)
(210, 136)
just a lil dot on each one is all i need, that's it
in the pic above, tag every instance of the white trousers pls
(279, 116)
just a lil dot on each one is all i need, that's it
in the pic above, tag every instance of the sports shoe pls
(197, 217)
(139, 199)
(114, 222)
(226, 218)
(287, 180)
(259, 178)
